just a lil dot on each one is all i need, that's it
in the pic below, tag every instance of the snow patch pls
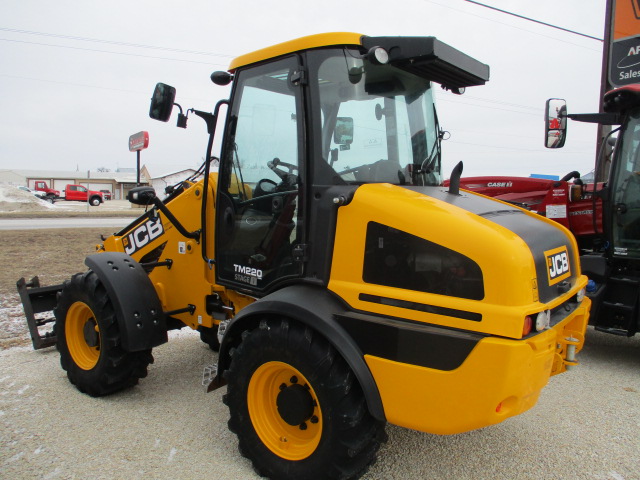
(24, 389)
(13, 327)
(172, 454)
(16, 457)
(54, 474)
(12, 199)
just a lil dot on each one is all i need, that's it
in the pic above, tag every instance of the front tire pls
(89, 339)
(95, 201)
(296, 407)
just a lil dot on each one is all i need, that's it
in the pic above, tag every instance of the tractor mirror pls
(555, 123)
(162, 102)
(343, 134)
(141, 195)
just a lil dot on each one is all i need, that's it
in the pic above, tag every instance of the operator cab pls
(309, 121)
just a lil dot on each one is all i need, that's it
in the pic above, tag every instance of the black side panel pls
(409, 342)
(138, 309)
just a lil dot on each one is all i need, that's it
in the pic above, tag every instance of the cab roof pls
(426, 57)
(303, 43)
(622, 98)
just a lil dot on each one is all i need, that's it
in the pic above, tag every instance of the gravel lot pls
(585, 426)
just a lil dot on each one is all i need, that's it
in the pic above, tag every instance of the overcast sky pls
(76, 76)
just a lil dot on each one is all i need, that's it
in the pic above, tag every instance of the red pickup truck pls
(72, 192)
(83, 194)
(51, 194)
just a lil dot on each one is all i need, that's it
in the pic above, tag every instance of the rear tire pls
(296, 407)
(89, 340)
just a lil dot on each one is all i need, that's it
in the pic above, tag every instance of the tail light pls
(528, 324)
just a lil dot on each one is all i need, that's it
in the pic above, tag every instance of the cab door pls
(258, 211)
(625, 191)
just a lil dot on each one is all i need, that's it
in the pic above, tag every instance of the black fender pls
(314, 307)
(138, 309)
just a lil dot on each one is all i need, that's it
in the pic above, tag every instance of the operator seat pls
(386, 171)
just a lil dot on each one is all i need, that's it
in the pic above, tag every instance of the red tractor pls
(569, 201)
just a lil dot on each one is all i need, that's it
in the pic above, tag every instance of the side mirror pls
(343, 134)
(141, 195)
(162, 102)
(555, 123)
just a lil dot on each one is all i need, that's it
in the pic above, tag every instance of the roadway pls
(39, 223)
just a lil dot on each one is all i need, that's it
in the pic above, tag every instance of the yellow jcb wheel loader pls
(343, 286)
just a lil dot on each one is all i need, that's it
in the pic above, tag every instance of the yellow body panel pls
(505, 260)
(500, 378)
(190, 279)
(504, 374)
(304, 43)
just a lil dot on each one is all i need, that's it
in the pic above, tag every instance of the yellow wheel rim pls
(290, 441)
(80, 322)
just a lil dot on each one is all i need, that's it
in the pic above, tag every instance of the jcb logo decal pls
(148, 231)
(558, 267)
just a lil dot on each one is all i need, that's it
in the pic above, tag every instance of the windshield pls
(378, 123)
(626, 188)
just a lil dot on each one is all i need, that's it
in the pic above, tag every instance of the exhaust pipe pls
(454, 181)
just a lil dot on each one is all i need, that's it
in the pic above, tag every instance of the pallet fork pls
(36, 299)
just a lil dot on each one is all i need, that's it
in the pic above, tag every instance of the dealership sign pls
(138, 141)
(624, 56)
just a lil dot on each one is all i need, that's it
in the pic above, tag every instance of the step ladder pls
(618, 313)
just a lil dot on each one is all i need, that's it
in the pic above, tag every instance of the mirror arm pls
(209, 118)
(157, 203)
(182, 119)
(601, 118)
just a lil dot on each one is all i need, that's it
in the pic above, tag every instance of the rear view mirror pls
(162, 102)
(555, 123)
(343, 134)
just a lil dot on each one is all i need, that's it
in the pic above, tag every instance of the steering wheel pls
(289, 179)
